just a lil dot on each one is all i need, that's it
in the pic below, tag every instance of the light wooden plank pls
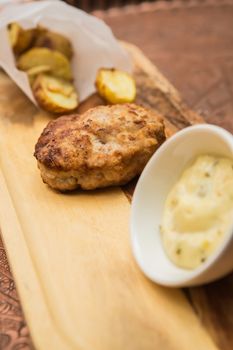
(70, 254)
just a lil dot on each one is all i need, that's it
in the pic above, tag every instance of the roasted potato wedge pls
(54, 41)
(38, 56)
(20, 39)
(115, 86)
(55, 95)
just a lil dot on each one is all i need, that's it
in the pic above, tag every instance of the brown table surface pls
(191, 42)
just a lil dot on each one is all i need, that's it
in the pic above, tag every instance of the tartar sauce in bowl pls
(198, 211)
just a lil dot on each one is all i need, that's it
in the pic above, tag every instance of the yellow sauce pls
(198, 211)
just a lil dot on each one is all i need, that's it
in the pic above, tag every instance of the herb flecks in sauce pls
(198, 211)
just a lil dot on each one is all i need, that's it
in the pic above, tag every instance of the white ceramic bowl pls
(158, 177)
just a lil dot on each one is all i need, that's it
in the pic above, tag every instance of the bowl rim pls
(192, 275)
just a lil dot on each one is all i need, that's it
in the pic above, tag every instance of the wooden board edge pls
(14, 241)
(162, 83)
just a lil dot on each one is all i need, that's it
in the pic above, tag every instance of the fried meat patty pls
(105, 146)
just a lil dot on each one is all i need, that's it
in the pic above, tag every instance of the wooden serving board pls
(70, 254)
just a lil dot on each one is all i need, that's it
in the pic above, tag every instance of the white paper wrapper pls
(93, 42)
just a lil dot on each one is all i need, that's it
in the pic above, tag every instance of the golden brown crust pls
(54, 94)
(107, 145)
(115, 86)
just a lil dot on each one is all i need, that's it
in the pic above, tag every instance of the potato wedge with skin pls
(54, 41)
(20, 39)
(55, 95)
(58, 63)
(115, 86)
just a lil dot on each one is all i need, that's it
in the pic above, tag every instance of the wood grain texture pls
(191, 43)
(213, 305)
(70, 254)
